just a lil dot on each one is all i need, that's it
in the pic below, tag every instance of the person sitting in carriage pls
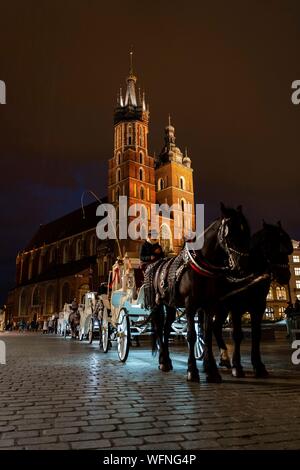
(151, 250)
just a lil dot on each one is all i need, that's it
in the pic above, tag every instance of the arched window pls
(141, 158)
(281, 312)
(23, 303)
(30, 267)
(141, 136)
(142, 193)
(182, 205)
(65, 253)
(119, 158)
(36, 296)
(93, 245)
(165, 238)
(52, 255)
(160, 184)
(281, 293)
(118, 175)
(40, 263)
(78, 249)
(65, 294)
(270, 294)
(50, 306)
(141, 174)
(129, 130)
(181, 182)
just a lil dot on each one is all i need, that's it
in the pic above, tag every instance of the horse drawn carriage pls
(124, 316)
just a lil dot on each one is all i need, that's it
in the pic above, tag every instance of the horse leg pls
(209, 363)
(258, 366)
(237, 336)
(157, 316)
(217, 330)
(192, 372)
(170, 318)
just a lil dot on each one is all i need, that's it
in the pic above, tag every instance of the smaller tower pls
(174, 185)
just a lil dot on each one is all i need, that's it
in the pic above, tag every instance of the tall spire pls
(130, 98)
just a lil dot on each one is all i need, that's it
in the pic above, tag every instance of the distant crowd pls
(47, 326)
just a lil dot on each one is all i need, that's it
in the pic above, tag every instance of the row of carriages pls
(117, 314)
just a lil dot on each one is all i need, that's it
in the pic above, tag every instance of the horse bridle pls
(204, 267)
(222, 239)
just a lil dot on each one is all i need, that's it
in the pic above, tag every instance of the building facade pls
(279, 296)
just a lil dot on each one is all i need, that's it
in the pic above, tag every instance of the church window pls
(160, 184)
(141, 158)
(181, 183)
(141, 136)
(129, 130)
(65, 253)
(142, 193)
(118, 175)
(78, 249)
(141, 174)
(119, 158)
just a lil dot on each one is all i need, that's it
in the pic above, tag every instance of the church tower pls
(131, 169)
(174, 185)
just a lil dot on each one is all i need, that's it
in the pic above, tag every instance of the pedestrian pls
(289, 319)
(45, 327)
(151, 250)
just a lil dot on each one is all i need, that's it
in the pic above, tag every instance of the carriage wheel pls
(123, 336)
(91, 331)
(105, 330)
(199, 345)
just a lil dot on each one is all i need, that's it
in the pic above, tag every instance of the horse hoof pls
(238, 372)
(193, 377)
(164, 367)
(225, 363)
(261, 373)
(213, 378)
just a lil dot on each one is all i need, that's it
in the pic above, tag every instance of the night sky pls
(223, 70)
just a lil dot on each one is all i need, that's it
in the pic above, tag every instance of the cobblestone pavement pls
(61, 394)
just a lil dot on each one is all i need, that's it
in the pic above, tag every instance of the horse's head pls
(234, 238)
(275, 246)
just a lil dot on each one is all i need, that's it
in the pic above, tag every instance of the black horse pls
(224, 255)
(270, 248)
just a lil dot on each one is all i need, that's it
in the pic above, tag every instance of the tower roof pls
(171, 153)
(133, 106)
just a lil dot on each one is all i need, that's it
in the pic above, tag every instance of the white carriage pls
(124, 315)
(90, 317)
